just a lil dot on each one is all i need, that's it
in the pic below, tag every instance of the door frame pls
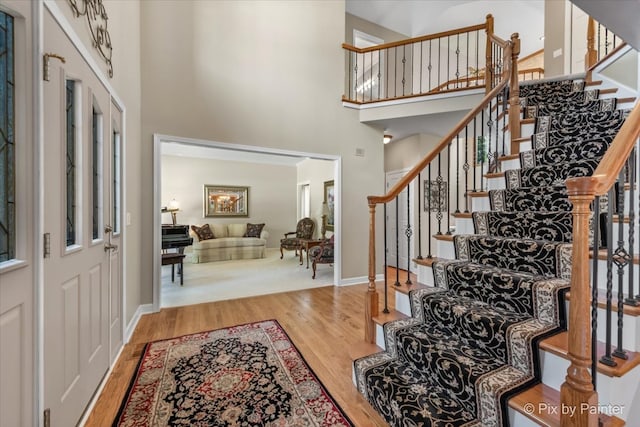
(39, 137)
(159, 139)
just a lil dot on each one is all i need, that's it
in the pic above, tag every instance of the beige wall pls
(124, 28)
(406, 152)
(257, 73)
(555, 12)
(315, 173)
(272, 192)
(355, 23)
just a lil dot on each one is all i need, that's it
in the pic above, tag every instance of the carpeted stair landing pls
(472, 340)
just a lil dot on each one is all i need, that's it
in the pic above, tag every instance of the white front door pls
(78, 191)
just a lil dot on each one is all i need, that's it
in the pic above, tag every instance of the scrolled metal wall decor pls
(97, 19)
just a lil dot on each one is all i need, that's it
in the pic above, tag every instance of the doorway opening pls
(269, 181)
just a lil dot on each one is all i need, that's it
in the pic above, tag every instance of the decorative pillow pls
(203, 233)
(253, 230)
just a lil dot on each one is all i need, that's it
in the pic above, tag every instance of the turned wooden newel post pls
(577, 390)
(488, 67)
(371, 299)
(591, 57)
(514, 95)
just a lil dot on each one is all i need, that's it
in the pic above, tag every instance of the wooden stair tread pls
(427, 262)
(403, 288)
(362, 348)
(392, 315)
(444, 237)
(511, 156)
(608, 90)
(559, 344)
(602, 303)
(528, 121)
(531, 401)
(523, 139)
(602, 254)
(625, 100)
(478, 194)
(494, 175)
(545, 402)
(593, 83)
(462, 215)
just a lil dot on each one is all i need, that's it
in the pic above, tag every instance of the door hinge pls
(47, 417)
(46, 243)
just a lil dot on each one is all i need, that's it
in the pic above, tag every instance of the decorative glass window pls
(117, 178)
(7, 141)
(71, 196)
(96, 173)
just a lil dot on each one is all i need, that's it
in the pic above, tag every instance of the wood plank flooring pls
(325, 324)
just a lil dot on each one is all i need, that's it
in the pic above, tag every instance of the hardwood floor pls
(326, 325)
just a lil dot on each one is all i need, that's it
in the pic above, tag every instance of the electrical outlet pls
(128, 218)
(360, 152)
(557, 52)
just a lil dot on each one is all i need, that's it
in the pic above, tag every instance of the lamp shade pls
(174, 205)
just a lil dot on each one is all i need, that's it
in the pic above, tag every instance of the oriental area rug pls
(247, 375)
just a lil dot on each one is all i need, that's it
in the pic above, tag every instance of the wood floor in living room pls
(325, 324)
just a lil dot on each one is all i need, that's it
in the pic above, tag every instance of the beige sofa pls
(228, 244)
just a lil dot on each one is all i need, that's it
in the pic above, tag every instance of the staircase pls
(482, 339)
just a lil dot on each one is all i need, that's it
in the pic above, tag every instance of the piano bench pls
(172, 259)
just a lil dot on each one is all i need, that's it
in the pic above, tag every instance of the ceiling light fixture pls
(386, 138)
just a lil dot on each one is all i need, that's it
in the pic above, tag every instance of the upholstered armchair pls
(291, 241)
(321, 254)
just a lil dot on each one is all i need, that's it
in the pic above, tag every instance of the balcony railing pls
(447, 61)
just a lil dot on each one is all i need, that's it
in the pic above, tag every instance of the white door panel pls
(77, 294)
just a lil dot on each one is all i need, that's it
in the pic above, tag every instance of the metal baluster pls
(458, 60)
(439, 58)
(607, 359)
(505, 106)
(482, 153)
(404, 61)
(379, 89)
(395, 73)
(457, 174)
(632, 227)
(475, 154)
(428, 191)
(408, 232)
(448, 181)
(599, 42)
(594, 293)
(371, 76)
(386, 273)
(467, 63)
(477, 60)
(606, 41)
(397, 283)
(350, 54)
(387, 73)
(448, 59)
(621, 260)
(439, 180)
(429, 67)
(466, 169)
(421, 44)
(419, 218)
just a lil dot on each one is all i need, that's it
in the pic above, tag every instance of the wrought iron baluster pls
(599, 46)
(428, 191)
(387, 73)
(404, 61)
(482, 152)
(397, 283)
(594, 293)
(430, 66)
(371, 76)
(466, 169)
(439, 59)
(477, 56)
(421, 44)
(419, 218)
(379, 89)
(448, 59)
(408, 232)
(630, 300)
(439, 180)
(349, 54)
(606, 41)
(458, 60)
(386, 266)
(467, 62)
(457, 174)
(475, 154)
(448, 199)
(505, 107)
(621, 260)
(606, 358)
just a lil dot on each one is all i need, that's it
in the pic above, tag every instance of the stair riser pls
(496, 183)
(614, 391)
(511, 164)
(480, 204)
(445, 249)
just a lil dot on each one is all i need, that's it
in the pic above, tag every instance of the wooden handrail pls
(413, 173)
(415, 39)
(531, 70)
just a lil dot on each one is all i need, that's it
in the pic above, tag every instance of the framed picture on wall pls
(226, 201)
(329, 199)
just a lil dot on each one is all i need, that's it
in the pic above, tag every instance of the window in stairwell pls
(7, 141)
(304, 201)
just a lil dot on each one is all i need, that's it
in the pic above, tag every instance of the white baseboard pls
(358, 280)
(142, 309)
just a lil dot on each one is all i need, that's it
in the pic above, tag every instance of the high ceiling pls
(420, 17)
